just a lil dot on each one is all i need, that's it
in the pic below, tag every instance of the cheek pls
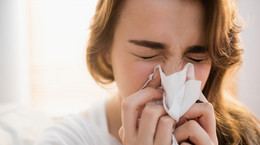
(202, 73)
(132, 76)
(141, 72)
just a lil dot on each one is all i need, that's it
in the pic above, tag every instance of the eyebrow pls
(196, 49)
(149, 44)
(158, 45)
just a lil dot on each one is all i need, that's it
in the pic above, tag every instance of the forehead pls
(179, 21)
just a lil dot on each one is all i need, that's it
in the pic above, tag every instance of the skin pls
(152, 32)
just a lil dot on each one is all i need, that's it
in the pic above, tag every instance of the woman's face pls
(152, 32)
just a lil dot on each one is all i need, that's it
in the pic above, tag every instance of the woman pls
(128, 39)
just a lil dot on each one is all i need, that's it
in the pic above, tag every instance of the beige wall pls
(249, 84)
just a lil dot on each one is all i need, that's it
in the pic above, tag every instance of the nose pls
(171, 67)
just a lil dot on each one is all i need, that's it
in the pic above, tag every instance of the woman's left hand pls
(199, 132)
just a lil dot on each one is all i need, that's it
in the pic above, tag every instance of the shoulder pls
(86, 128)
(73, 129)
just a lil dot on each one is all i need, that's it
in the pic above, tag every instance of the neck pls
(113, 111)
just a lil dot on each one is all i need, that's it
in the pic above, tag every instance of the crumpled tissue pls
(181, 91)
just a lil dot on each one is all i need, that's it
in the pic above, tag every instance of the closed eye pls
(147, 57)
(195, 60)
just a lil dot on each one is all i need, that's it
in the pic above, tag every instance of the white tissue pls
(181, 91)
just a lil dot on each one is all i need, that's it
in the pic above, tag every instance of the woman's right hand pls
(146, 124)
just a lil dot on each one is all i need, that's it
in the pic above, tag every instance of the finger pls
(148, 122)
(156, 80)
(131, 107)
(182, 120)
(163, 134)
(206, 118)
(193, 132)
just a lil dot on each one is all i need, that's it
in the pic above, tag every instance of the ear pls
(107, 56)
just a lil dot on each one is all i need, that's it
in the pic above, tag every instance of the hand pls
(200, 132)
(155, 126)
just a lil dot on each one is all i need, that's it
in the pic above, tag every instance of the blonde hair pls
(235, 124)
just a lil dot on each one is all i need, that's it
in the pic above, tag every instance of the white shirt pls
(78, 129)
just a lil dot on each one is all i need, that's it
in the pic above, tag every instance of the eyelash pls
(148, 57)
(195, 60)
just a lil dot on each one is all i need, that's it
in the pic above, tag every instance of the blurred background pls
(42, 55)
